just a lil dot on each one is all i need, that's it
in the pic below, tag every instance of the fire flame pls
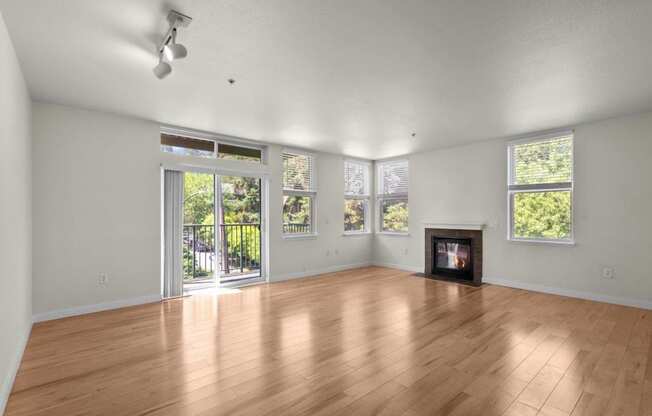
(459, 262)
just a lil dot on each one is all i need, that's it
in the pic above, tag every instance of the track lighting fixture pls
(163, 69)
(169, 50)
(174, 50)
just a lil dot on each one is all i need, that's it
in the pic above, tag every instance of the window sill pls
(312, 236)
(393, 234)
(354, 234)
(542, 242)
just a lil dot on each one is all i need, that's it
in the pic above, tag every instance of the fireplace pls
(454, 254)
(452, 257)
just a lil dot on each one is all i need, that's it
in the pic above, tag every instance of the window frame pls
(366, 196)
(312, 194)
(381, 197)
(217, 139)
(513, 189)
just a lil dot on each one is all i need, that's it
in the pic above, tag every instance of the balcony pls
(237, 258)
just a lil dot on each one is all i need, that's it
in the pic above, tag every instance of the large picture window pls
(356, 196)
(299, 193)
(392, 179)
(540, 189)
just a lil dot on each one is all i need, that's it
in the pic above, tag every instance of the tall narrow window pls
(392, 196)
(356, 196)
(299, 192)
(540, 189)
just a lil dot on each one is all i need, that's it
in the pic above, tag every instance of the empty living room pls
(312, 208)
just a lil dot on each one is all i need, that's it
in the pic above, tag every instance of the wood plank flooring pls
(361, 342)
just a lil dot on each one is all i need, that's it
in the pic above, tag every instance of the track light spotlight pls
(163, 69)
(174, 50)
(169, 50)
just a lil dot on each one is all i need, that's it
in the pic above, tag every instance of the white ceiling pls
(344, 76)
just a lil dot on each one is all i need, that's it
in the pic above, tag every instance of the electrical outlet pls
(608, 273)
(328, 253)
(103, 279)
(337, 252)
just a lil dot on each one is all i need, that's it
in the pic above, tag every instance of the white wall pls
(15, 215)
(613, 206)
(97, 209)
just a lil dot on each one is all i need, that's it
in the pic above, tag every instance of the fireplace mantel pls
(454, 226)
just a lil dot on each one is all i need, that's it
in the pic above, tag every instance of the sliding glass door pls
(222, 234)
(240, 227)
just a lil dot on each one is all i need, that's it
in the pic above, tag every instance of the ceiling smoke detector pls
(169, 50)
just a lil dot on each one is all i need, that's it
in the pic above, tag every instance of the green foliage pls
(241, 199)
(542, 215)
(395, 215)
(198, 198)
(354, 210)
(296, 213)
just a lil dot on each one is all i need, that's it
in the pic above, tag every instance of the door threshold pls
(243, 282)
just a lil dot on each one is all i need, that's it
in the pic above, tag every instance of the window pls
(392, 196)
(206, 147)
(232, 152)
(356, 196)
(540, 188)
(187, 146)
(299, 192)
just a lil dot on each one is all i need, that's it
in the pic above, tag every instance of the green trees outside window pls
(354, 215)
(542, 215)
(394, 215)
(297, 214)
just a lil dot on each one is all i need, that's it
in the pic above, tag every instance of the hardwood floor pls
(360, 342)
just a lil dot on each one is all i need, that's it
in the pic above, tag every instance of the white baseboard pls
(404, 267)
(598, 297)
(105, 306)
(315, 272)
(10, 377)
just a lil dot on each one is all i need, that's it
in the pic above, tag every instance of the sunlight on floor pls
(211, 290)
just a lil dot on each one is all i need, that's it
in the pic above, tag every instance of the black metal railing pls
(239, 252)
(240, 248)
(296, 228)
(198, 251)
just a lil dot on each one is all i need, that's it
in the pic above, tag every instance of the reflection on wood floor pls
(359, 342)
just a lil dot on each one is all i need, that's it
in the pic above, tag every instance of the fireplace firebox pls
(454, 254)
(452, 257)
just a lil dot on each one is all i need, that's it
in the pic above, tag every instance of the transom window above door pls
(187, 145)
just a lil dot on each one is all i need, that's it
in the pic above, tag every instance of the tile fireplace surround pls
(466, 231)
